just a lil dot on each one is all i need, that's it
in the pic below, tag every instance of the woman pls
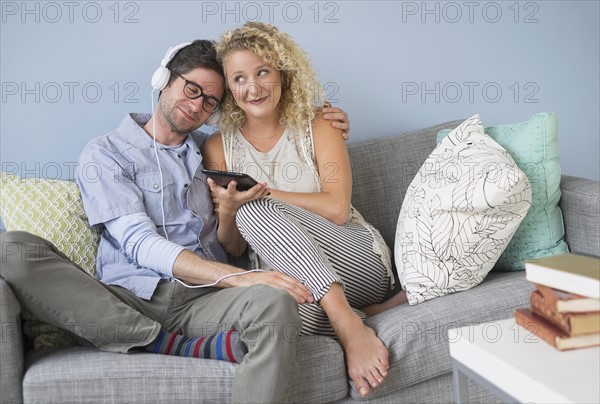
(298, 219)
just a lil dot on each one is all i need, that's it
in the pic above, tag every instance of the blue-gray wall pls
(71, 70)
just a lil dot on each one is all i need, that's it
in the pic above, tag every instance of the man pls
(159, 237)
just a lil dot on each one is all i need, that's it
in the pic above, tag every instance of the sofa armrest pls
(12, 354)
(580, 205)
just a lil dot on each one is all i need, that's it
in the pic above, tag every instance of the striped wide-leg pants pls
(317, 252)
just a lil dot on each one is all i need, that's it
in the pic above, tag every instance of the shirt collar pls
(133, 126)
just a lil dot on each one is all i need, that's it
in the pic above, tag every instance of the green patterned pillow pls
(533, 145)
(45, 336)
(51, 209)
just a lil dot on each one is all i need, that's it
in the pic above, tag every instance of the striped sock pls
(225, 346)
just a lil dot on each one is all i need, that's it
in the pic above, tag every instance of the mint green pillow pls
(533, 145)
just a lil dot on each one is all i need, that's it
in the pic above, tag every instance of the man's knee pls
(12, 244)
(19, 237)
(290, 320)
(19, 248)
(276, 311)
(284, 299)
(278, 300)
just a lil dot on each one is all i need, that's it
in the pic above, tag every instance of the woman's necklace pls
(248, 135)
(262, 144)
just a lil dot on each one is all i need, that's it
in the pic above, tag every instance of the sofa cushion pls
(580, 205)
(11, 346)
(438, 390)
(459, 214)
(382, 170)
(534, 146)
(417, 336)
(87, 375)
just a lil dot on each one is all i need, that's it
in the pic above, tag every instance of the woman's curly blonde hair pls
(301, 92)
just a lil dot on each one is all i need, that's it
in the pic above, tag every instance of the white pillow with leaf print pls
(459, 214)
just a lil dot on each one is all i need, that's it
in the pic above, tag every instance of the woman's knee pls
(255, 212)
(248, 210)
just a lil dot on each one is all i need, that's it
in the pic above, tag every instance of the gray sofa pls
(420, 369)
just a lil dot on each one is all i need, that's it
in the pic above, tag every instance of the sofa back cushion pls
(382, 170)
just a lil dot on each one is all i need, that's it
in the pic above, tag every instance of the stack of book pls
(565, 305)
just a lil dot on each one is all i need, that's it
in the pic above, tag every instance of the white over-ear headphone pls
(161, 76)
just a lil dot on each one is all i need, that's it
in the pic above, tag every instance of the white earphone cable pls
(219, 280)
(162, 189)
(156, 86)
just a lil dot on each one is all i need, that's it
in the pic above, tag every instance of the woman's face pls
(254, 83)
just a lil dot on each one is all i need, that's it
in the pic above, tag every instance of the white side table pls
(519, 367)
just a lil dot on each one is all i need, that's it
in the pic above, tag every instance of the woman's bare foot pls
(396, 300)
(367, 357)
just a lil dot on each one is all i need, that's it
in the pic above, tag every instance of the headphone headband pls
(161, 76)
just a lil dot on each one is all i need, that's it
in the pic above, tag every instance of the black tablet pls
(223, 178)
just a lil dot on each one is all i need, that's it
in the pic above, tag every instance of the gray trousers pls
(58, 292)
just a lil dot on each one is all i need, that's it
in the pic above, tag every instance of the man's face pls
(182, 114)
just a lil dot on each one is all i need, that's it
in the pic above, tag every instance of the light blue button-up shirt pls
(120, 184)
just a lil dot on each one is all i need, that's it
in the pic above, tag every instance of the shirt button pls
(155, 186)
(185, 185)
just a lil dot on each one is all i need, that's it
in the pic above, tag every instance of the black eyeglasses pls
(194, 91)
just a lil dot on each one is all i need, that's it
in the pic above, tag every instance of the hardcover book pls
(565, 302)
(552, 335)
(571, 323)
(570, 272)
